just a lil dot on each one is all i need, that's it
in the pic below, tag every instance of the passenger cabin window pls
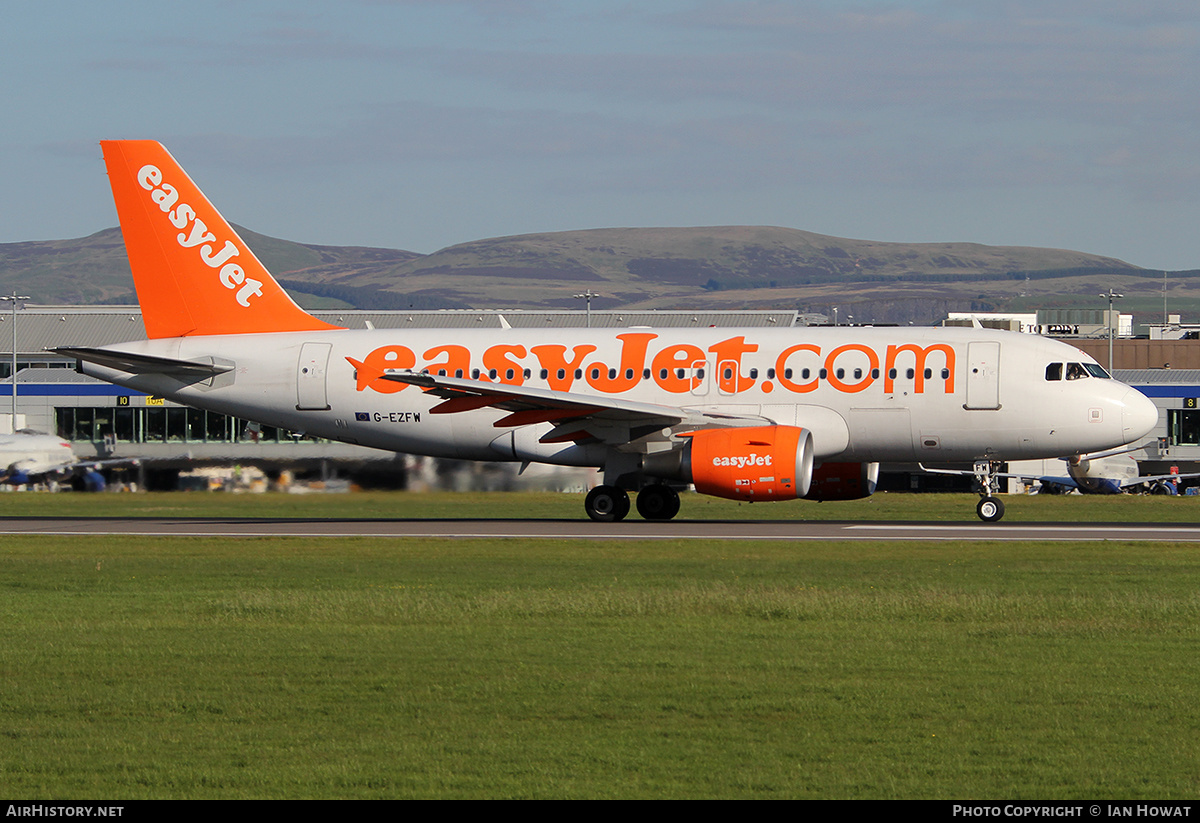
(1054, 371)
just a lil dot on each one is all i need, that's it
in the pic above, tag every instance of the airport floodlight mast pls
(587, 295)
(14, 298)
(1111, 295)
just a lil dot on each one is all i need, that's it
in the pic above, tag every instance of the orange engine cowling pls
(843, 481)
(757, 463)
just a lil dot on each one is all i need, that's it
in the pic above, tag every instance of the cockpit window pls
(1076, 371)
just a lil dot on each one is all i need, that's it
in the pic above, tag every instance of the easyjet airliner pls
(747, 414)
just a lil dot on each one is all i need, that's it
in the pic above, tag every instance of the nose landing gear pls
(990, 508)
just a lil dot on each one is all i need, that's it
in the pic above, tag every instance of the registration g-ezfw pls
(747, 414)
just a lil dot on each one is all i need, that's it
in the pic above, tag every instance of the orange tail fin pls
(193, 274)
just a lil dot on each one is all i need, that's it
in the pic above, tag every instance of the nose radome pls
(1139, 415)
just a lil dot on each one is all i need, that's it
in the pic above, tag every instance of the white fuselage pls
(866, 394)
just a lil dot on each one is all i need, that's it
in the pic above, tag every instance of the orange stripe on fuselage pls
(849, 368)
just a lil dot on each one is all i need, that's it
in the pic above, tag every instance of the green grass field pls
(355, 667)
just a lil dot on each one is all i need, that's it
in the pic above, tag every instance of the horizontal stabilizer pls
(145, 363)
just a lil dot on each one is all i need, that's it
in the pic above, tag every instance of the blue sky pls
(417, 125)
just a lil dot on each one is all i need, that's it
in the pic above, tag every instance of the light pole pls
(1111, 295)
(588, 295)
(14, 298)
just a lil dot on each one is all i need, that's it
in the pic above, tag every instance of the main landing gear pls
(608, 504)
(658, 502)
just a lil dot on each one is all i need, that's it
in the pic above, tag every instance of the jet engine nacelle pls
(754, 463)
(843, 481)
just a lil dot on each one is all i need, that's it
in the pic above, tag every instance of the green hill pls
(653, 268)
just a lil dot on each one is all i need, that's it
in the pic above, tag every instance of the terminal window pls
(1184, 426)
(170, 424)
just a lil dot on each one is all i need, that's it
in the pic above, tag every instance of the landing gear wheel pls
(658, 502)
(990, 509)
(606, 504)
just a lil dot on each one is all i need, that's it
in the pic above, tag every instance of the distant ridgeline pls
(370, 297)
(706, 268)
(812, 276)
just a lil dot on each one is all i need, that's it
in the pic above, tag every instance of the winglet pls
(193, 274)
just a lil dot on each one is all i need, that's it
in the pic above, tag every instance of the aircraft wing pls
(25, 471)
(1153, 478)
(1115, 483)
(576, 416)
(1106, 485)
(1063, 480)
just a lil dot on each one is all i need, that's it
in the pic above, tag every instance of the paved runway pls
(585, 529)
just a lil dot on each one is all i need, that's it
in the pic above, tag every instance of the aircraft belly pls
(880, 434)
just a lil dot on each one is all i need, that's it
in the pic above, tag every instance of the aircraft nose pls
(1139, 415)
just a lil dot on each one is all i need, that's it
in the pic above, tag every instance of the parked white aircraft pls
(1105, 473)
(1110, 474)
(747, 414)
(28, 456)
